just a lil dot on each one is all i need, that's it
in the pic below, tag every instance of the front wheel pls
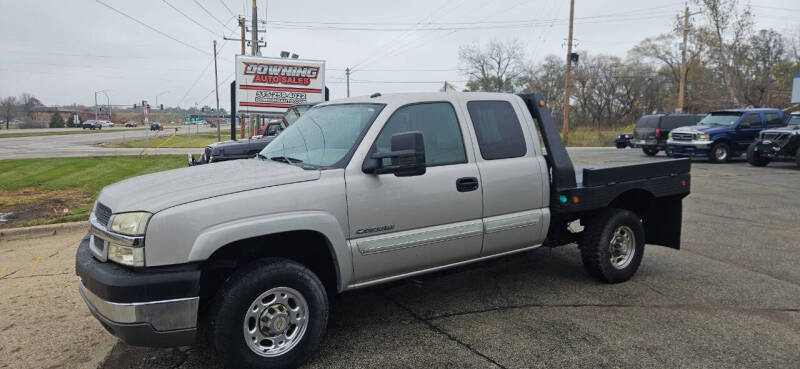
(613, 245)
(650, 151)
(271, 314)
(754, 158)
(720, 153)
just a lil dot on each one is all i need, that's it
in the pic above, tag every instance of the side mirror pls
(407, 156)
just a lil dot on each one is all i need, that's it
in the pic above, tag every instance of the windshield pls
(794, 120)
(323, 136)
(295, 112)
(719, 119)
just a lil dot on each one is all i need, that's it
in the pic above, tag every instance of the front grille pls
(102, 213)
(680, 136)
(774, 136)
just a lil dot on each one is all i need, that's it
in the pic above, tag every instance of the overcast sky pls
(63, 51)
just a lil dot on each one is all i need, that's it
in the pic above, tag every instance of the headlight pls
(126, 255)
(703, 137)
(669, 136)
(131, 224)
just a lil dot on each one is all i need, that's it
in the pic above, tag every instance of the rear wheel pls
(720, 153)
(271, 314)
(613, 245)
(754, 158)
(797, 157)
(650, 151)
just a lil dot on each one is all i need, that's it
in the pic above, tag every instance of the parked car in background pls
(156, 126)
(624, 140)
(249, 148)
(651, 131)
(777, 144)
(723, 134)
(107, 123)
(92, 124)
(130, 125)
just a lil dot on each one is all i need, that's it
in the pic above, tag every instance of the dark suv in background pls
(651, 131)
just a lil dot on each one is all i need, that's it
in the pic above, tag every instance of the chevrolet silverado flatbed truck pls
(356, 193)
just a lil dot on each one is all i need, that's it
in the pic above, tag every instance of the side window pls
(439, 126)
(752, 120)
(497, 128)
(773, 120)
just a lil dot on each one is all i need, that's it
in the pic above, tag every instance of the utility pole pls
(565, 126)
(347, 73)
(682, 89)
(241, 25)
(241, 115)
(216, 90)
(254, 31)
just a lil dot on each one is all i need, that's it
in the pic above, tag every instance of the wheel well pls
(724, 140)
(636, 200)
(309, 248)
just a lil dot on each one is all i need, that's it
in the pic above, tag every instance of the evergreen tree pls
(56, 121)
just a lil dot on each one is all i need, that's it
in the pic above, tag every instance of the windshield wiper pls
(286, 159)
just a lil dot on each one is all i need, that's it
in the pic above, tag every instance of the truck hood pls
(705, 129)
(158, 191)
(240, 147)
(795, 129)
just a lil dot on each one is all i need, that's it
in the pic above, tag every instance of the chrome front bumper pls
(163, 315)
(695, 143)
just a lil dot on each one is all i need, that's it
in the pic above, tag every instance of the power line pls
(401, 70)
(394, 82)
(200, 76)
(190, 18)
(212, 15)
(229, 9)
(153, 28)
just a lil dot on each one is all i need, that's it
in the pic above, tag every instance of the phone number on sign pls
(280, 97)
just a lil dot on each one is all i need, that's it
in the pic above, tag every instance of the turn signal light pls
(575, 199)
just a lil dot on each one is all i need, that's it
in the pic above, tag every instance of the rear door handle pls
(466, 184)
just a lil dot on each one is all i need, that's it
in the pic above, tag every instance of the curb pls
(24, 233)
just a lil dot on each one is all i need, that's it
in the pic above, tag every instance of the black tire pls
(755, 159)
(797, 157)
(228, 310)
(595, 245)
(649, 151)
(712, 156)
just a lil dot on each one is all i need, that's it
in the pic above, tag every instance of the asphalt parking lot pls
(729, 298)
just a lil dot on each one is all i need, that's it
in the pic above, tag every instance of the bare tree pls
(29, 102)
(496, 68)
(765, 52)
(727, 31)
(8, 107)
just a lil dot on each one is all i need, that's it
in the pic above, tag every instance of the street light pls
(159, 94)
(108, 103)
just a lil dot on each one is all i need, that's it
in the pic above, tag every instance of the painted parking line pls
(36, 262)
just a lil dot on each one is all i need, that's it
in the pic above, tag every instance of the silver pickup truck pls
(356, 193)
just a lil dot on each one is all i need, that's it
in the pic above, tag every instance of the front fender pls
(212, 239)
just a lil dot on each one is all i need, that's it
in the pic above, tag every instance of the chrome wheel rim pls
(622, 247)
(275, 322)
(720, 153)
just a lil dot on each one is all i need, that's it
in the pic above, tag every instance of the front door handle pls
(466, 184)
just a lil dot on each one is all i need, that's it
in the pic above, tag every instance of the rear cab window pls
(773, 119)
(497, 129)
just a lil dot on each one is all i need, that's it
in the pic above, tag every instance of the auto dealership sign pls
(270, 85)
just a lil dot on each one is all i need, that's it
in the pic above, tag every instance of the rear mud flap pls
(662, 222)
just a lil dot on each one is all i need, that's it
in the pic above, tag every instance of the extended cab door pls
(513, 172)
(404, 224)
(747, 130)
